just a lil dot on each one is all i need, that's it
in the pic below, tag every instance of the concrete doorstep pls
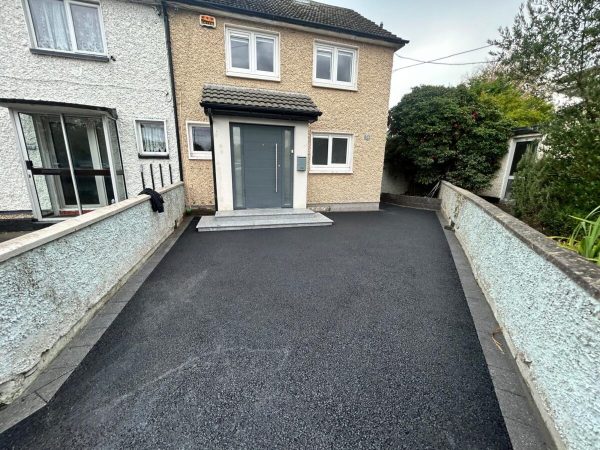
(49, 381)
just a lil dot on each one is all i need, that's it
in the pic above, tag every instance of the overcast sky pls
(436, 28)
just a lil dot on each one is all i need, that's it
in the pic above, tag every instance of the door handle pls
(276, 167)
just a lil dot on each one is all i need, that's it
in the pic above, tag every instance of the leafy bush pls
(527, 190)
(447, 133)
(585, 237)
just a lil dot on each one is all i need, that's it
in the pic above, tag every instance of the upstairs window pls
(66, 26)
(334, 66)
(252, 54)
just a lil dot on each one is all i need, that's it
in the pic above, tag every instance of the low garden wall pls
(53, 280)
(547, 301)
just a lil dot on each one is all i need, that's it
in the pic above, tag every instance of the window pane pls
(520, 150)
(339, 148)
(319, 151)
(50, 24)
(265, 49)
(324, 64)
(201, 139)
(153, 137)
(238, 174)
(344, 66)
(86, 23)
(240, 52)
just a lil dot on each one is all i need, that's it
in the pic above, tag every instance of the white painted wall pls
(136, 84)
(222, 149)
(547, 301)
(52, 280)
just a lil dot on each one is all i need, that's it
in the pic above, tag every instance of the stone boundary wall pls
(412, 201)
(53, 280)
(547, 301)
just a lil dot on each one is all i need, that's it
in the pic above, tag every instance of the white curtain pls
(153, 137)
(50, 24)
(86, 23)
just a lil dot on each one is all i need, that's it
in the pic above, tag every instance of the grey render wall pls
(136, 84)
(52, 280)
(547, 301)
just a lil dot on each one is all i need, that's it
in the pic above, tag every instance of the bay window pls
(66, 26)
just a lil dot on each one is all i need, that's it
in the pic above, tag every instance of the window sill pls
(334, 86)
(84, 56)
(153, 155)
(331, 170)
(201, 157)
(254, 76)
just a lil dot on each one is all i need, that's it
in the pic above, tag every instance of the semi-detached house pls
(256, 104)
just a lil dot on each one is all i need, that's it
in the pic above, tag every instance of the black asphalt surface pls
(351, 336)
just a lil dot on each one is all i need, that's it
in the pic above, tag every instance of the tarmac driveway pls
(355, 335)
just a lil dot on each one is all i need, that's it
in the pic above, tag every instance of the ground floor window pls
(331, 153)
(517, 150)
(199, 140)
(73, 162)
(152, 137)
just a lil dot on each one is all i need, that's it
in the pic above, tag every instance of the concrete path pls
(356, 335)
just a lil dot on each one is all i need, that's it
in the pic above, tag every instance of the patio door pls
(72, 166)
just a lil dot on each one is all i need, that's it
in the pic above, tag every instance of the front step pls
(253, 219)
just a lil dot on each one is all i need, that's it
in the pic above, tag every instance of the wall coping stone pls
(22, 244)
(582, 272)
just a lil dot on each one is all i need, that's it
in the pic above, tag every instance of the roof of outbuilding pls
(307, 13)
(258, 100)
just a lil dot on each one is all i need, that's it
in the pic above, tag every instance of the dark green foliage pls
(447, 133)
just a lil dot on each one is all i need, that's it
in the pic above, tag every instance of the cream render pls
(199, 57)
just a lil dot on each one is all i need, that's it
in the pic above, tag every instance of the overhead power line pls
(433, 61)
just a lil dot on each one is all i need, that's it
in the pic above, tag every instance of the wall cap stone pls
(22, 244)
(582, 272)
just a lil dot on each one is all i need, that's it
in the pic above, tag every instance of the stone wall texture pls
(547, 301)
(47, 291)
(199, 57)
(136, 83)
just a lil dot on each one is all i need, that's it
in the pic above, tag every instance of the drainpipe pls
(214, 170)
(172, 77)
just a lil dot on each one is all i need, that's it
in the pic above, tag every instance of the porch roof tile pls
(234, 97)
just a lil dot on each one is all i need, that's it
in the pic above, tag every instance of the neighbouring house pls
(500, 187)
(280, 103)
(86, 105)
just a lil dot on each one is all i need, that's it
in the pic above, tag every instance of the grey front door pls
(262, 157)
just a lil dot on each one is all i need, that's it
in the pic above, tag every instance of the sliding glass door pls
(73, 162)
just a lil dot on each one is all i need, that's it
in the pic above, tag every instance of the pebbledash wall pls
(199, 57)
(53, 280)
(547, 301)
(135, 81)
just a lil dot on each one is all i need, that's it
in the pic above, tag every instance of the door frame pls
(280, 169)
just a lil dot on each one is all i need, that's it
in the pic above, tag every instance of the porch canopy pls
(238, 101)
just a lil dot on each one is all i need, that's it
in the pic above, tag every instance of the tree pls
(447, 133)
(554, 47)
(517, 105)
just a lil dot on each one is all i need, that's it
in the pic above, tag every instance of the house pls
(280, 103)
(86, 105)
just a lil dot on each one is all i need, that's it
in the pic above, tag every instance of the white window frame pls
(251, 34)
(192, 154)
(511, 154)
(330, 167)
(140, 142)
(72, 40)
(335, 48)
